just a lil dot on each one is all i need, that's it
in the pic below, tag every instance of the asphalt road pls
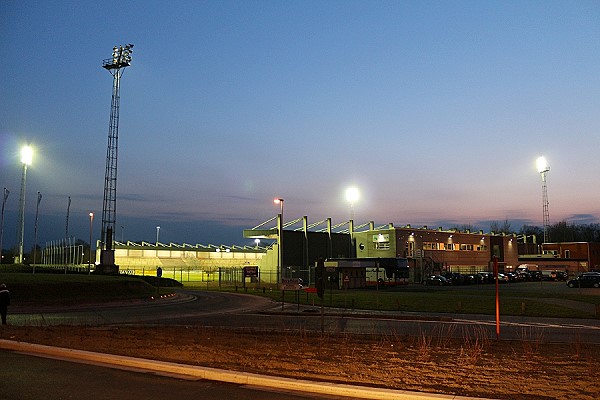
(208, 308)
(26, 377)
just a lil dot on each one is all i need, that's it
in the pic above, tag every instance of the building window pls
(567, 253)
(410, 249)
(466, 247)
(450, 246)
(431, 246)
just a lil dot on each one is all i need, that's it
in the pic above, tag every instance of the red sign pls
(310, 290)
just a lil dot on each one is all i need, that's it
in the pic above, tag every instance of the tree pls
(503, 227)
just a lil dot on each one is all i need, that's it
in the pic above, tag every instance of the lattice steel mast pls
(121, 58)
(543, 168)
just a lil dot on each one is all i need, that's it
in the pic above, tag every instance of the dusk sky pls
(435, 110)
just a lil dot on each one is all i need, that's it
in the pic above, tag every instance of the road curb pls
(242, 378)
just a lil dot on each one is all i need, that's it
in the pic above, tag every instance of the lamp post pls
(26, 158)
(279, 239)
(543, 168)
(37, 208)
(4, 197)
(90, 256)
(157, 231)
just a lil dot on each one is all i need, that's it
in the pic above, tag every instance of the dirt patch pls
(473, 366)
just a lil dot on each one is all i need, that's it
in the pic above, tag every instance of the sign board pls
(290, 284)
(250, 272)
(310, 290)
(381, 237)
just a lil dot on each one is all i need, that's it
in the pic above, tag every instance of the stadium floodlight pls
(543, 168)
(26, 159)
(352, 196)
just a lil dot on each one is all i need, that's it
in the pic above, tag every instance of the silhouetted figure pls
(4, 302)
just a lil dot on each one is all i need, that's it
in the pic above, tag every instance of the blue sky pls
(435, 110)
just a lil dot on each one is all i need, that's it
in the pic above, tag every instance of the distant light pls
(277, 201)
(542, 164)
(352, 195)
(26, 155)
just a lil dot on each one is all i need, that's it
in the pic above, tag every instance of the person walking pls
(4, 302)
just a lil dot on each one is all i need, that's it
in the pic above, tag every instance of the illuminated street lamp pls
(157, 232)
(543, 168)
(279, 238)
(26, 159)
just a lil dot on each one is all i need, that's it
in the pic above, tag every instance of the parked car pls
(535, 275)
(585, 280)
(455, 278)
(561, 275)
(487, 277)
(437, 280)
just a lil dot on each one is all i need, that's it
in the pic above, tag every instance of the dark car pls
(585, 280)
(437, 280)
(561, 275)
(455, 278)
(486, 277)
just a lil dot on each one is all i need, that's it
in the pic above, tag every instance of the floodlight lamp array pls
(121, 57)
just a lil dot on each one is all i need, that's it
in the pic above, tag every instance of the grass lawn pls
(552, 299)
(70, 289)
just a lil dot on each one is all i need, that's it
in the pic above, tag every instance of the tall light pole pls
(121, 58)
(279, 239)
(543, 168)
(90, 257)
(26, 158)
(157, 232)
(4, 198)
(352, 196)
(37, 208)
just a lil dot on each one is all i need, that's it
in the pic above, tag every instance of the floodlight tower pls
(121, 58)
(26, 158)
(352, 196)
(543, 168)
